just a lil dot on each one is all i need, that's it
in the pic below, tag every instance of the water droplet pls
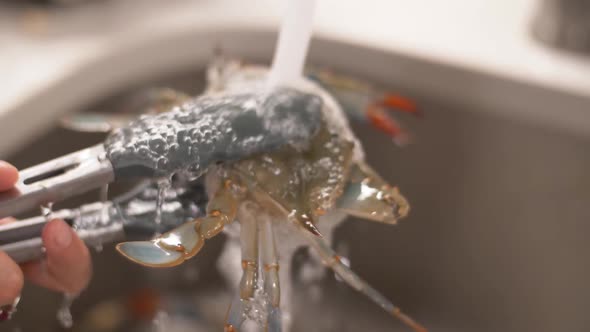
(47, 210)
(143, 151)
(98, 247)
(64, 314)
(163, 186)
(104, 193)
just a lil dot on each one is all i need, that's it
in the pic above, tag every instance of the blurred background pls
(497, 174)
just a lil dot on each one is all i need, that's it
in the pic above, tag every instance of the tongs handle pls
(32, 248)
(58, 179)
(22, 241)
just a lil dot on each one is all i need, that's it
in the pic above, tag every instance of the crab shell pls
(232, 77)
(327, 178)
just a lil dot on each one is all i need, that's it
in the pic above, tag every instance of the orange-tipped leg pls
(387, 124)
(377, 114)
(398, 103)
(270, 274)
(236, 315)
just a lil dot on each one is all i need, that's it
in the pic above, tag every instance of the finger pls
(7, 221)
(67, 267)
(11, 279)
(8, 175)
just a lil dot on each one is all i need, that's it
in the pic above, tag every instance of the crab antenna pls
(293, 43)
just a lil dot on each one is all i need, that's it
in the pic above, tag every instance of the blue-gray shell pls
(214, 129)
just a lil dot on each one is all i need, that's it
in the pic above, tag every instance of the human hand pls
(66, 267)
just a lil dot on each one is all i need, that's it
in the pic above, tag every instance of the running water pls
(64, 314)
(163, 185)
(98, 247)
(46, 212)
(294, 37)
(103, 196)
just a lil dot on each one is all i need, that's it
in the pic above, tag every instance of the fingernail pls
(63, 234)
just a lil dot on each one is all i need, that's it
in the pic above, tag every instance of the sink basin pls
(496, 240)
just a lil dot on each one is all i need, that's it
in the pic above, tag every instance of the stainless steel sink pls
(496, 241)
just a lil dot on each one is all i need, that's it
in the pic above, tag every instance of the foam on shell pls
(231, 76)
(214, 128)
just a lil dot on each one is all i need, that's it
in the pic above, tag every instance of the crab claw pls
(169, 249)
(367, 196)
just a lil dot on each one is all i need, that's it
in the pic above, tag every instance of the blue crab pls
(279, 173)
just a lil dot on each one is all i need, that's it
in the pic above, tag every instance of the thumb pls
(8, 175)
(67, 267)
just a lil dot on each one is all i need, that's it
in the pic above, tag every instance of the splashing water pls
(256, 309)
(64, 313)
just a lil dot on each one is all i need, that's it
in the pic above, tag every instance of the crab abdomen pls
(304, 184)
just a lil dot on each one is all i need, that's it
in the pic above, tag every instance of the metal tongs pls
(96, 223)
(94, 167)
(58, 179)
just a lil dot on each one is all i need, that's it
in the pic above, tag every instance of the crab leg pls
(270, 273)
(152, 101)
(332, 260)
(249, 246)
(382, 121)
(183, 242)
(249, 242)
